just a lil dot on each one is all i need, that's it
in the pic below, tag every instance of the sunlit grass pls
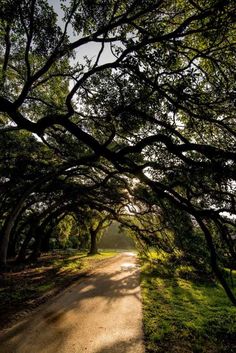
(183, 314)
(80, 261)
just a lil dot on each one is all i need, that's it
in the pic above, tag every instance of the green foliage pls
(160, 112)
(63, 230)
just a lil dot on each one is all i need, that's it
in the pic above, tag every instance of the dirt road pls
(101, 314)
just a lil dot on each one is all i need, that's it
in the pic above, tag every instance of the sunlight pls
(126, 266)
(130, 253)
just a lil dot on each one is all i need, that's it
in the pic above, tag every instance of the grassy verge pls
(24, 287)
(183, 313)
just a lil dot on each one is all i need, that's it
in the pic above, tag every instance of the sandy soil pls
(102, 314)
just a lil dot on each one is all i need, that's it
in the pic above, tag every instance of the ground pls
(99, 314)
(25, 287)
(100, 311)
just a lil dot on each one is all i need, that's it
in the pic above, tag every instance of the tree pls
(46, 193)
(162, 111)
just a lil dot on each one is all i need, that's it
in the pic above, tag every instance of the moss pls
(45, 287)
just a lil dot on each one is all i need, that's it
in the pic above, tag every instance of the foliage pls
(63, 230)
(160, 112)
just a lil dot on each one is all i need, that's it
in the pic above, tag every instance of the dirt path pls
(102, 314)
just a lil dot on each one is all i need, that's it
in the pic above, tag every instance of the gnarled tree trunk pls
(7, 228)
(11, 219)
(214, 263)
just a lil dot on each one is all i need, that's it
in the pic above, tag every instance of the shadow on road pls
(120, 346)
(49, 329)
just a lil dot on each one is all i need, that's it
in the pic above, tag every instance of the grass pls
(73, 261)
(185, 314)
(26, 286)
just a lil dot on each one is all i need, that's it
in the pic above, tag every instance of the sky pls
(91, 49)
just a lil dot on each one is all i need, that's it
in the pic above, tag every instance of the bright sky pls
(91, 49)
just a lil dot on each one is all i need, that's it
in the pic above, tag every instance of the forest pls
(119, 111)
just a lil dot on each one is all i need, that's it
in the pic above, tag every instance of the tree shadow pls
(133, 345)
(51, 326)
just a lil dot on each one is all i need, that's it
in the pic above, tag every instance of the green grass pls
(45, 287)
(184, 314)
(79, 261)
(74, 261)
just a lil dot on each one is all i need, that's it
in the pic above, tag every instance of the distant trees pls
(159, 111)
(38, 202)
(116, 237)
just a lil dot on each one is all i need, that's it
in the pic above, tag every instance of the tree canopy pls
(152, 124)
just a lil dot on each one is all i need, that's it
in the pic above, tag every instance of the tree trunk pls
(214, 263)
(45, 246)
(11, 219)
(7, 228)
(93, 243)
(11, 251)
(36, 252)
(22, 253)
(93, 236)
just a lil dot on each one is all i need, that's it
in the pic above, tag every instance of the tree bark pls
(14, 237)
(7, 228)
(11, 251)
(11, 219)
(37, 246)
(22, 253)
(45, 245)
(39, 235)
(93, 242)
(214, 263)
(33, 257)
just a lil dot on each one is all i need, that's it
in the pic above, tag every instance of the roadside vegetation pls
(26, 286)
(184, 312)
